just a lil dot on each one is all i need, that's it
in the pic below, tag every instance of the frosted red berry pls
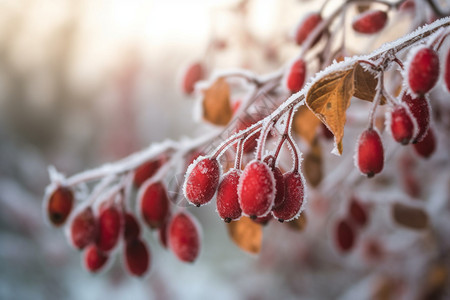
(370, 154)
(228, 206)
(94, 259)
(145, 171)
(137, 257)
(344, 235)
(60, 204)
(154, 204)
(132, 229)
(427, 146)
(308, 24)
(401, 125)
(296, 76)
(194, 73)
(202, 180)
(358, 212)
(184, 237)
(420, 109)
(109, 228)
(447, 72)
(256, 189)
(423, 70)
(293, 197)
(370, 22)
(83, 229)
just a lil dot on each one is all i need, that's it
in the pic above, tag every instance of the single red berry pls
(293, 197)
(184, 237)
(193, 73)
(296, 76)
(83, 229)
(420, 110)
(256, 189)
(59, 205)
(423, 70)
(447, 72)
(307, 25)
(358, 212)
(344, 235)
(227, 197)
(401, 124)
(407, 5)
(202, 180)
(427, 146)
(132, 229)
(263, 220)
(137, 257)
(109, 227)
(154, 204)
(279, 181)
(370, 154)
(145, 171)
(94, 259)
(369, 22)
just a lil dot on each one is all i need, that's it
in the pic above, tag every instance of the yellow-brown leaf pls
(312, 164)
(300, 223)
(305, 123)
(216, 103)
(246, 234)
(408, 216)
(365, 84)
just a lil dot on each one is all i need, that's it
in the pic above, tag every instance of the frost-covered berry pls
(193, 73)
(137, 257)
(427, 146)
(344, 235)
(420, 109)
(306, 26)
(256, 189)
(447, 72)
(154, 204)
(357, 212)
(184, 237)
(227, 197)
(202, 180)
(145, 171)
(423, 70)
(109, 228)
(370, 22)
(83, 229)
(279, 181)
(402, 125)
(293, 197)
(296, 76)
(94, 259)
(369, 153)
(59, 205)
(132, 229)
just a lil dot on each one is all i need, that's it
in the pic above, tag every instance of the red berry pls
(296, 76)
(256, 189)
(402, 126)
(109, 227)
(227, 197)
(369, 22)
(59, 205)
(137, 257)
(132, 230)
(279, 181)
(194, 73)
(370, 155)
(145, 171)
(83, 229)
(94, 259)
(308, 24)
(420, 109)
(202, 180)
(423, 70)
(184, 237)
(358, 212)
(407, 5)
(344, 235)
(427, 146)
(293, 197)
(447, 72)
(154, 204)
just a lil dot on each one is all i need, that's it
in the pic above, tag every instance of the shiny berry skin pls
(109, 228)
(132, 229)
(447, 72)
(59, 205)
(370, 153)
(423, 70)
(202, 180)
(145, 171)
(94, 259)
(194, 73)
(227, 197)
(184, 237)
(420, 109)
(154, 204)
(83, 229)
(344, 235)
(357, 212)
(137, 257)
(293, 197)
(308, 24)
(427, 146)
(296, 76)
(256, 189)
(401, 125)
(370, 22)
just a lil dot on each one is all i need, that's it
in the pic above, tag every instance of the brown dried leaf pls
(305, 123)
(246, 234)
(411, 217)
(365, 84)
(312, 164)
(216, 103)
(300, 223)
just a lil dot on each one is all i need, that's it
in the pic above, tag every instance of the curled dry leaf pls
(246, 234)
(312, 164)
(305, 123)
(411, 217)
(298, 224)
(216, 103)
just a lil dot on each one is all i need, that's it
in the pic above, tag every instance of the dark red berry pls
(263, 220)
(358, 212)
(344, 235)
(296, 76)
(308, 24)
(184, 237)
(279, 181)
(427, 146)
(407, 5)
(137, 257)
(370, 22)
(109, 227)
(60, 205)
(420, 109)
(370, 154)
(423, 70)
(154, 204)
(447, 71)
(402, 126)
(202, 180)
(83, 229)
(132, 229)
(94, 259)
(293, 197)
(256, 189)
(227, 197)
(194, 73)
(145, 171)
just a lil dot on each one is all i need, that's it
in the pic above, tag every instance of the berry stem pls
(240, 149)
(376, 99)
